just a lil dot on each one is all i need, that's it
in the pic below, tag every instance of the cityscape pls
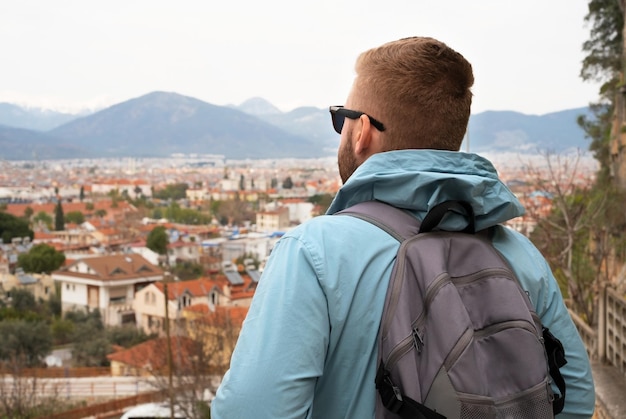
(221, 219)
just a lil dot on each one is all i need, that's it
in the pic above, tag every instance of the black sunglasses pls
(339, 115)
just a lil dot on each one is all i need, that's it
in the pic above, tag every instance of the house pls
(229, 290)
(273, 220)
(149, 304)
(106, 283)
(41, 286)
(183, 251)
(151, 357)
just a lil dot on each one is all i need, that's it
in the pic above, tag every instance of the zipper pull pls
(417, 340)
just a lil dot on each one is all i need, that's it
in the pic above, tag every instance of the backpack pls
(459, 337)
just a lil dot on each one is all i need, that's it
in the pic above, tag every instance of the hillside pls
(160, 124)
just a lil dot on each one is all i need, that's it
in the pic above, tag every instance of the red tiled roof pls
(153, 353)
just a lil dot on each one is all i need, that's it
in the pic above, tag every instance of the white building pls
(106, 283)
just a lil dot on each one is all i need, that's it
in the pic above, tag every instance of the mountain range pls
(160, 124)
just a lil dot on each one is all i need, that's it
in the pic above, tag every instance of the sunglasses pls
(339, 115)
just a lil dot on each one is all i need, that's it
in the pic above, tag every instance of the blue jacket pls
(308, 347)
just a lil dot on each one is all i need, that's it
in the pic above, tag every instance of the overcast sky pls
(73, 54)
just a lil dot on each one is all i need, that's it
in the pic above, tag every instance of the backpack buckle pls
(390, 394)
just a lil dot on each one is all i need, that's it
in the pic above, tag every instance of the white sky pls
(72, 54)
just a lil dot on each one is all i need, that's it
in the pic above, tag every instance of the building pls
(106, 283)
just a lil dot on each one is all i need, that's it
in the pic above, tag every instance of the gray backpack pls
(459, 338)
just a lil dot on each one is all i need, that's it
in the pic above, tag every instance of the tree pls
(287, 183)
(174, 192)
(12, 226)
(24, 341)
(75, 217)
(44, 218)
(242, 183)
(563, 237)
(59, 219)
(28, 212)
(203, 351)
(41, 258)
(23, 345)
(100, 213)
(157, 240)
(322, 201)
(605, 63)
(90, 342)
(23, 300)
(81, 195)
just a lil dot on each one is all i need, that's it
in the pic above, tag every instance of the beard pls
(346, 160)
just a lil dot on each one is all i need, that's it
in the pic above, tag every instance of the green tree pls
(174, 192)
(26, 341)
(90, 343)
(287, 183)
(126, 336)
(100, 213)
(43, 218)
(28, 212)
(242, 183)
(62, 331)
(23, 300)
(89, 206)
(75, 217)
(41, 258)
(59, 219)
(157, 240)
(81, 195)
(322, 201)
(12, 226)
(603, 63)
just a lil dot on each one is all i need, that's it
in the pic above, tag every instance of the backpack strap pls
(398, 223)
(556, 359)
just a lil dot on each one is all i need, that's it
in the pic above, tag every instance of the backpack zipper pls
(415, 338)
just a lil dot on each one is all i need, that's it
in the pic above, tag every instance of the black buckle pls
(390, 394)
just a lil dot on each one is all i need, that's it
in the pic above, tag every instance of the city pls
(220, 219)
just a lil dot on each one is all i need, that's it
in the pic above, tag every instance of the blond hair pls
(419, 88)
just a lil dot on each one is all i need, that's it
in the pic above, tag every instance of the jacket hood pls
(417, 180)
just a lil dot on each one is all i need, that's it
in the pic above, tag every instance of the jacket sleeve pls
(537, 279)
(281, 350)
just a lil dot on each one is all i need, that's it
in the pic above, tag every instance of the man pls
(308, 347)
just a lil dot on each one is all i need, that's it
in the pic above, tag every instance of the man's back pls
(308, 346)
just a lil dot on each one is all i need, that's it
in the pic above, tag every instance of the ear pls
(363, 142)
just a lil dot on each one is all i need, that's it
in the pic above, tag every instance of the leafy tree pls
(59, 219)
(287, 183)
(75, 217)
(62, 331)
(157, 240)
(126, 336)
(44, 218)
(187, 270)
(41, 258)
(603, 63)
(90, 343)
(12, 226)
(24, 340)
(100, 213)
(81, 195)
(322, 200)
(28, 212)
(89, 206)
(174, 192)
(23, 300)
